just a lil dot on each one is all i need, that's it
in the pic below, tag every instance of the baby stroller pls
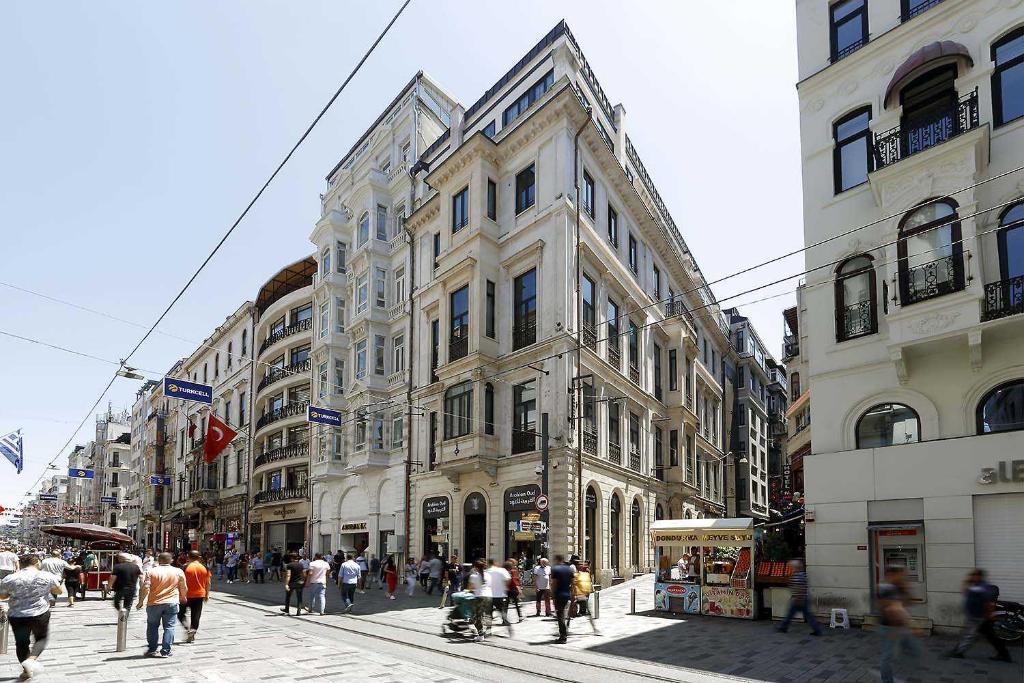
(462, 616)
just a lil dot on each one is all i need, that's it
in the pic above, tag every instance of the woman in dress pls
(72, 581)
(391, 577)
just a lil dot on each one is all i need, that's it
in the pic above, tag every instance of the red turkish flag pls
(218, 436)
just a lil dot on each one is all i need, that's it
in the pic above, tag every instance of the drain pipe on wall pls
(575, 388)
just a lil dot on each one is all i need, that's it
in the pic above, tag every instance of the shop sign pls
(670, 537)
(532, 526)
(1005, 472)
(727, 602)
(436, 508)
(897, 532)
(522, 497)
(352, 527)
(439, 538)
(284, 512)
(524, 536)
(531, 516)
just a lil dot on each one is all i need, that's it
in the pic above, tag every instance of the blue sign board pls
(108, 499)
(188, 391)
(160, 480)
(80, 474)
(48, 496)
(323, 416)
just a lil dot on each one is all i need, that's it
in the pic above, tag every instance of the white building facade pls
(911, 126)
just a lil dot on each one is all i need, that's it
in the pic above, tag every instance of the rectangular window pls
(673, 448)
(659, 459)
(657, 372)
(339, 315)
(382, 223)
(741, 377)
(656, 282)
(460, 209)
(399, 220)
(634, 345)
(362, 293)
(515, 109)
(398, 346)
(432, 453)
(613, 325)
(437, 248)
(325, 262)
(492, 200)
(397, 427)
(361, 359)
(340, 252)
(588, 194)
(241, 408)
(435, 348)
(524, 322)
(673, 371)
(458, 410)
(378, 431)
(400, 284)
(380, 287)
(490, 129)
(458, 331)
(407, 151)
(339, 376)
(489, 326)
(526, 189)
(634, 256)
(325, 318)
(1008, 78)
(360, 437)
(378, 354)
(613, 227)
(614, 437)
(524, 417)
(588, 294)
(363, 232)
(848, 27)
(851, 156)
(323, 381)
(634, 433)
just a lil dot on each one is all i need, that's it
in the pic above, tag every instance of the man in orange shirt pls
(162, 591)
(197, 582)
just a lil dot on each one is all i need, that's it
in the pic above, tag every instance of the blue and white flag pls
(12, 449)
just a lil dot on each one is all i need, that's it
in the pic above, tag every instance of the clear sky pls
(132, 135)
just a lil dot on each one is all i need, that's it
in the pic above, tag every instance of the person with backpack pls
(979, 604)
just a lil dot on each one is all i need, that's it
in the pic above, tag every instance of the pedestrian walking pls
(500, 581)
(73, 582)
(561, 587)
(8, 562)
(375, 572)
(895, 621)
(364, 570)
(348, 579)
(197, 592)
(243, 568)
(276, 562)
(411, 573)
(54, 564)
(453, 571)
(148, 560)
(424, 571)
(479, 584)
(163, 590)
(29, 591)
(435, 570)
(799, 599)
(979, 604)
(391, 577)
(294, 582)
(316, 584)
(256, 566)
(514, 587)
(582, 587)
(542, 584)
(124, 579)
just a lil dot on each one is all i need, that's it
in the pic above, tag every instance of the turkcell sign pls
(48, 496)
(323, 416)
(80, 474)
(188, 391)
(108, 499)
(160, 480)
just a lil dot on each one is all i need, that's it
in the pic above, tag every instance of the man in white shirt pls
(316, 584)
(499, 579)
(8, 562)
(54, 564)
(348, 579)
(148, 561)
(542, 582)
(435, 569)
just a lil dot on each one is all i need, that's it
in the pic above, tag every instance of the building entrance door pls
(475, 528)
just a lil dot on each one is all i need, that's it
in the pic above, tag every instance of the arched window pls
(855, 298)
(930, 252)
(229, 355)
(615, 533)
(851, 156)
(1002, 409)
(458, 410)
(1006, 297)
(1007, 83)
(929, 110)
(634, 532)
(888, 424)
(489, 408)
(659, 512)
(590, 539)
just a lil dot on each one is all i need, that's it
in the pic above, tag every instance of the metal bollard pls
(632, 601)
(597, 605)
(4, 630)
(122, 629)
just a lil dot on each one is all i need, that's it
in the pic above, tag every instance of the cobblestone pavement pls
(750, 650)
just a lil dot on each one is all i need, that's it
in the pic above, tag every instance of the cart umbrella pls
(88, 532)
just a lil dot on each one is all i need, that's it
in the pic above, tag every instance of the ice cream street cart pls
(705, 566)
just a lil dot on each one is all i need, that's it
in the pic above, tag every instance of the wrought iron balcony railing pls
(458, 348)
(590, 336)
(290, 410)
(1003, 298)
(590, 441)
(849, 50)
(301, 326)
(916, 135)
(277, 374)
(280, 495)
(913, 10)
(524, 440)
(524, 333)
(674, 308)
(615, 453)
(929, 280)
(293, 450)
(634, 459)
(614, 356)
(634, 374)
(856, 320)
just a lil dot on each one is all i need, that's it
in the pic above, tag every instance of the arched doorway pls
(474, 534)
(659, 512)
(615, 533)
(590, 532)
(634, 532)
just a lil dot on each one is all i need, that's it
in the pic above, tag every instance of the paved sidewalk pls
(748, 649)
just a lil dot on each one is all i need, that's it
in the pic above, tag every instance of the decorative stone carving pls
(899, 362)
(934, 323)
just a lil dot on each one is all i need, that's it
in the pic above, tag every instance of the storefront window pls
(527, 528)
(436, 516)
(590, 542)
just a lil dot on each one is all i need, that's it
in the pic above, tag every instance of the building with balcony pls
(798, 412)
(108, 456)
(362, 346)
(912, 127)
(282, 336)
(550, 279)
(154, 432)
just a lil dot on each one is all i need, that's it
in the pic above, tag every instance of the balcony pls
(524, 333)
(197, 444)
(849, 50)
(678, 308)
(634, 459)
(614, 357)
(590, 441)
(524, 440)
(301, 326)
(294, 450)
(634, 374)
(290, 410)
(913, 136)
(396, 311)
(589, 334)
(912, 11)
(615, 453)
(933, 279)
(1004, 298)
(397, 379)
(458, 348)
(367, 459)
(280, 495)
(856, 320)
(205, 497)
(396, 243)
(277, 374)
(790, 346)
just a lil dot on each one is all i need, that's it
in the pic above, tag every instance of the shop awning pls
(174, 516)
(722, 524)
